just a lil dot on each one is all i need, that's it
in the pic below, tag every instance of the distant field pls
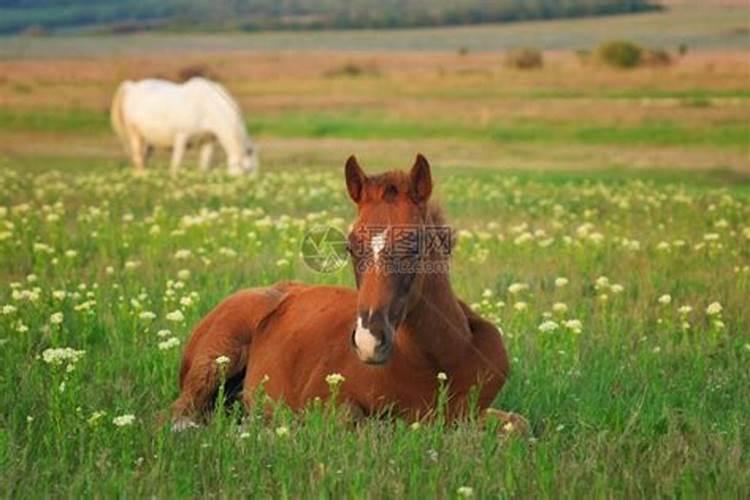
(311, 108)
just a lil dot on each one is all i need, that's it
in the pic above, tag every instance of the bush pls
(584, 56)
(352, 69)
(187, 72)
(657, 57)
(619, 54)
(525, 58)
(35, 30)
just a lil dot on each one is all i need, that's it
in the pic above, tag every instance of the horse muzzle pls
(373, 345)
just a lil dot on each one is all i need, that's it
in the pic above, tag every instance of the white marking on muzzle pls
(365, 341)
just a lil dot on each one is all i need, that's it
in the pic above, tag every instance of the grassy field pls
(649, 398)
(464, 110)
(630, 185)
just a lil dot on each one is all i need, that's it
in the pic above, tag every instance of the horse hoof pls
(182, 424)
(509, 422)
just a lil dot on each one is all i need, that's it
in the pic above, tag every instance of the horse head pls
(386, 246)
(248, 162)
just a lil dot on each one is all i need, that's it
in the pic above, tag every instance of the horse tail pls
(115, 113)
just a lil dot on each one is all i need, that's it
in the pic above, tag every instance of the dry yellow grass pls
(468, 90)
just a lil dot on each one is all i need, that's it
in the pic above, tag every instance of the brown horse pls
(391, 339)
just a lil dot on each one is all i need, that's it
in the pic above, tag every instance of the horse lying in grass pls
(391, 340)
(156, 113)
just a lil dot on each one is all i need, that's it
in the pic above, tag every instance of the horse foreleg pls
(178, 150)
(207, 151)
(137, 150)
(507, 422)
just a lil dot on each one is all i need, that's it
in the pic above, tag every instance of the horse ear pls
(421, 180)
(355, 179)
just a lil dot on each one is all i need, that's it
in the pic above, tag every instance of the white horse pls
(155, 113)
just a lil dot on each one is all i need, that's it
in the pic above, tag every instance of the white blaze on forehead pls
(377, 243)
(365, 341)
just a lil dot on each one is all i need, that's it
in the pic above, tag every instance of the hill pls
(43, 16)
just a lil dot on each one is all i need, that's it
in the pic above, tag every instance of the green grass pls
(633, 406)
(370, 124)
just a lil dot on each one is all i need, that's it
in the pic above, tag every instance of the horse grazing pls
(391, 339)
(157, 113)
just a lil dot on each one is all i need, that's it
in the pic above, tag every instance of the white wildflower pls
(559, 307)
(334, 379)
(516, 288)
(713, 309)
(574, 325)
(282, 431)
(465, 491)
(176, 316)
(60, 355)
(123, 420)
(169, 343)
(548, 326)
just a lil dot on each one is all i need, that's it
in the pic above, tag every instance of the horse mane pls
(220, 91)
(435, 214)
(224, 96)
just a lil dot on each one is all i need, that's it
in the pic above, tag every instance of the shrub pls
(657, 57)
(351, 69)
(584, 56)
(525, 58)
(187, 72)
(35, 30)
(619, 54)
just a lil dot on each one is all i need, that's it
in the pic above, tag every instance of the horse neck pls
(436, 326)
(231, 137)
(229, 129)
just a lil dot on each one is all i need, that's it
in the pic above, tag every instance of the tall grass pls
(648, 399)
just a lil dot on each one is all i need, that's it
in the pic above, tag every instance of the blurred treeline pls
(44, 16)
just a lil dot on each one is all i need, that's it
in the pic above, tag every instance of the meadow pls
(622, 302)
(603, 221)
